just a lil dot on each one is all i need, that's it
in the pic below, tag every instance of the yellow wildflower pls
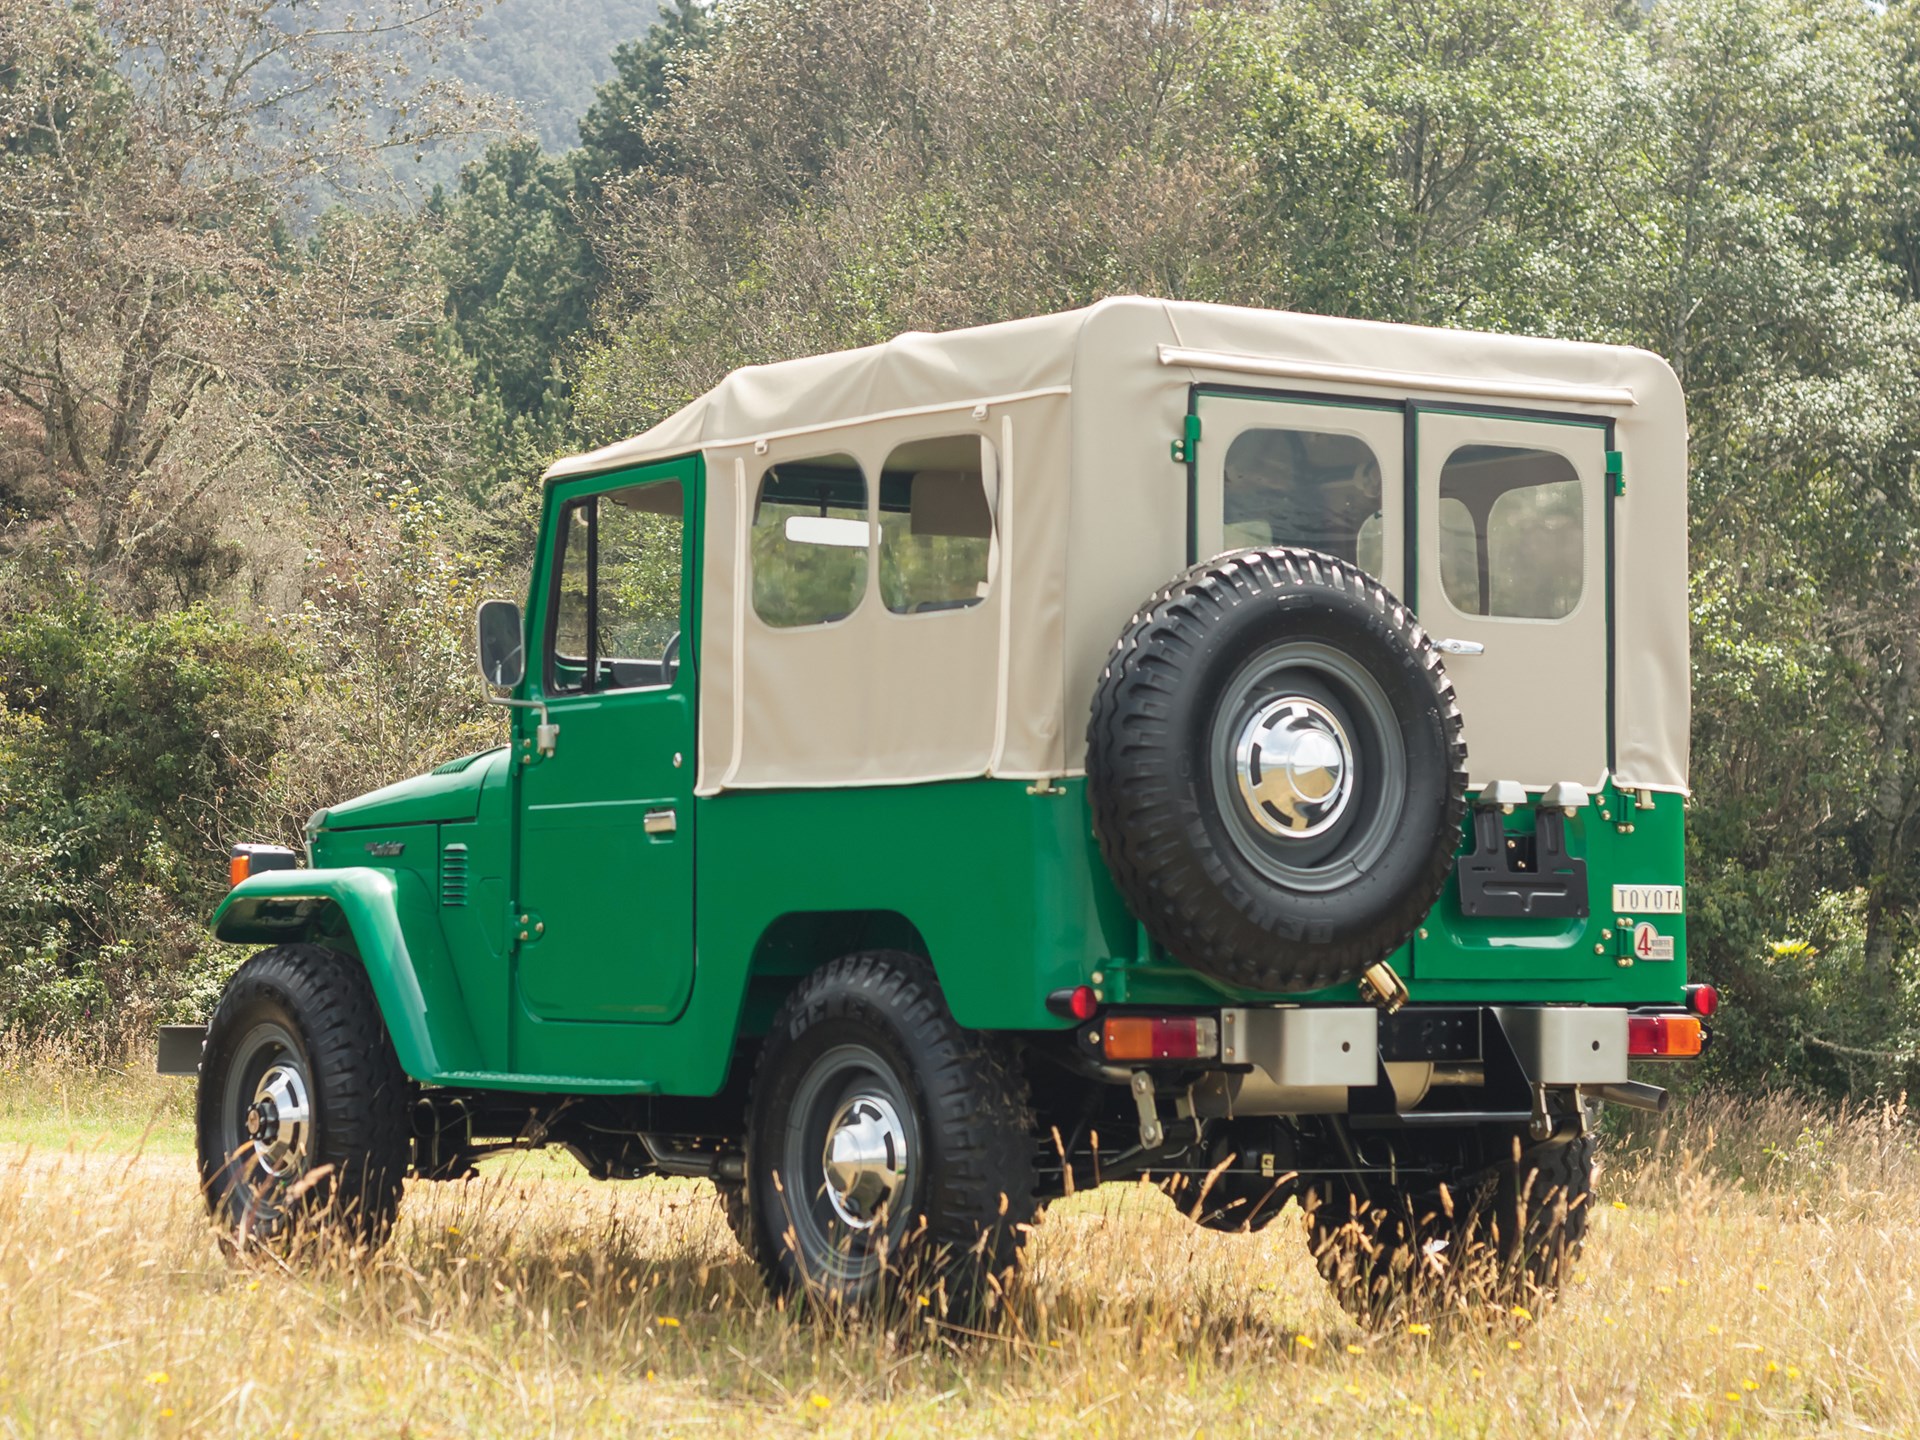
(820, 1402)
(1416, 1328)
(1305, 1342)
(157, 1377)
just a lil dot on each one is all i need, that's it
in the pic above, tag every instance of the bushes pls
(134, 751)
(128, 755)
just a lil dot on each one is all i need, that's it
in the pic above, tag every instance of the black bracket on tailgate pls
(1524, 876)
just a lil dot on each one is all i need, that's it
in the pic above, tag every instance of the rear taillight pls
(1160, 1037)
(1703, 1000)
(1077, 1003)
(1664, 1035)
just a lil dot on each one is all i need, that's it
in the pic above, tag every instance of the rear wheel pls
(1504, 1234)
(889, 1151)
(302, 1107)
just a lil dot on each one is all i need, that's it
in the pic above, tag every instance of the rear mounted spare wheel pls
(1276, 769)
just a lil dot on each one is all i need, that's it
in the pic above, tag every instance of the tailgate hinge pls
(1186, 449)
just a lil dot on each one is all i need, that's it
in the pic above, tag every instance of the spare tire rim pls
(1295, 766)
(1319, 715)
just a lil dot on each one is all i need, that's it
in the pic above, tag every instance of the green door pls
(604, 898)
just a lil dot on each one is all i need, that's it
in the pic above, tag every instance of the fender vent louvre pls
(453, 875)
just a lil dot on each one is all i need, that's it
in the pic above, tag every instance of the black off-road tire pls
(1503, 1236)
(311, 1011)
(969, 1192)
(1195, 860)
(732, 1195)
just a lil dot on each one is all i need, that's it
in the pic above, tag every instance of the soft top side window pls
(938, 498)
(809, 541)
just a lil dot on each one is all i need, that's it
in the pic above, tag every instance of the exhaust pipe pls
(1632, 1094)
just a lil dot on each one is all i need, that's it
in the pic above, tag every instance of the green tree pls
(613, 131)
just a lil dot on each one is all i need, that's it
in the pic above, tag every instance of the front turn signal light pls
(245, 860)
(1666, 1036)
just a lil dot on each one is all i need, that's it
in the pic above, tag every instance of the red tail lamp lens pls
(1703, 1000)
(1669, 1035)
(1078, 1003)
(1160, 1037)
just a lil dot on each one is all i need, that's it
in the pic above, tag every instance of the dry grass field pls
(1755, 1270)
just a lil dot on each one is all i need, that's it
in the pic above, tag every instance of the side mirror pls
(503, 646)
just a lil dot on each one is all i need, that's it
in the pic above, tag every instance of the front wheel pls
(889, 1151)
(302, 1110)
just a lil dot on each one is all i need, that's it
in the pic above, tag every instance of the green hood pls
(449, 793)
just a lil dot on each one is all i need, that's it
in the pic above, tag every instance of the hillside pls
(548, 55)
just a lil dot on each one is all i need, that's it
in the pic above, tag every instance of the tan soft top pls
(1082, 407)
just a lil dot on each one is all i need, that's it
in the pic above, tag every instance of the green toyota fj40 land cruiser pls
(951, 773)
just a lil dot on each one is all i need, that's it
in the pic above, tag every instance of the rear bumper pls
(180, 1047)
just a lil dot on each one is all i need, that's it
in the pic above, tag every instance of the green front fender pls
(370, 913)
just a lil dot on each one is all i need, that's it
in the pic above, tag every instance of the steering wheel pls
(670, 657)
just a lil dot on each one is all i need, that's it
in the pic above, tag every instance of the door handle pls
(660, 822)
(1459, 647)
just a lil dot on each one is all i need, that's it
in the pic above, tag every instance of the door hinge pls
(527, 926)
(1186, 449)
(1616, 472)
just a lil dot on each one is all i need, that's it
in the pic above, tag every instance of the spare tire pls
(1276, 769)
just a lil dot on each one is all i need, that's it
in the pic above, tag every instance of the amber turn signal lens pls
(238, 868)
(1666, 1035)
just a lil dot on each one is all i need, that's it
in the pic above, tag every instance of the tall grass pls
(1754, 1269)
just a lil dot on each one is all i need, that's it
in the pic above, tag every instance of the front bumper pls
(180, 1047)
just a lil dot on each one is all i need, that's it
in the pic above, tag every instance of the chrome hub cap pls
(277, 1123)
(1295, 767)
(865, 1159)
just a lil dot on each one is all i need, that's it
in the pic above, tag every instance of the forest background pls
(273, 405)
